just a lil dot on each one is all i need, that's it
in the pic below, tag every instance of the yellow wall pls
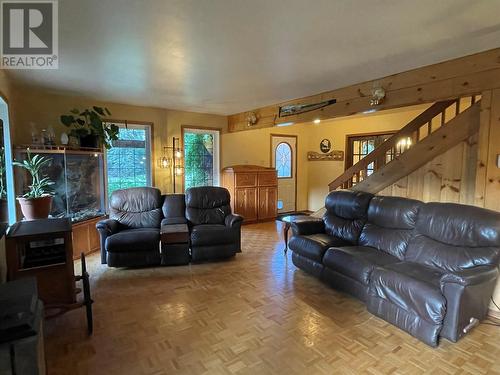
(253, 147)
(44, 108)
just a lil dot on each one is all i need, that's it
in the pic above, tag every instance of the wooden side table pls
(288, 220)
(174, 244)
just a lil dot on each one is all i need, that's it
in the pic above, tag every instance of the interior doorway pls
(284, 160)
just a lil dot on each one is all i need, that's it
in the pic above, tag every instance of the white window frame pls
(216, 157)
(149, 171)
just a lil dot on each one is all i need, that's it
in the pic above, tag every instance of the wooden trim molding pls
(469, 75)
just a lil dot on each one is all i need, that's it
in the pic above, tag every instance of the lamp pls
(172, 159)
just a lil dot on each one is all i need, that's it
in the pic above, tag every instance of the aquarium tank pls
(78, 190)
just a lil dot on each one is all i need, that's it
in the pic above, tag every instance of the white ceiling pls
(228, 56)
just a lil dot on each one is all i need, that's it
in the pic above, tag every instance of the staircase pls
(440, 127)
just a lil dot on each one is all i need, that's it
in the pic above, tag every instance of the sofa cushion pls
(455, 237)
(357, 262)
(139, 239)
(136, 207)
(207, 205)
(346, 213)
(213, 234)
(314, 246)
(411, 287)
(391, 223)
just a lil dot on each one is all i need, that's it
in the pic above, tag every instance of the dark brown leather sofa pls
(426, 268)
(131, 235)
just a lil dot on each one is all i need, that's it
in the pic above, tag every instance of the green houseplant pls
(90, 126)
(36, 203)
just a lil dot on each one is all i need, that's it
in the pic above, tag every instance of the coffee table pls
(174, 244)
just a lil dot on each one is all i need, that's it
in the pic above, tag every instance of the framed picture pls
(325, 146)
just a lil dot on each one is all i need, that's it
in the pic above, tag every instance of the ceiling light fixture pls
(317, 121)
(285, 124)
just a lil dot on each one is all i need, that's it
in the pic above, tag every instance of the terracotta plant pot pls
(35, 208)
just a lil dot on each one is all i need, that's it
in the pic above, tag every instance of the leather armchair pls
(131, 236)
(215, 232)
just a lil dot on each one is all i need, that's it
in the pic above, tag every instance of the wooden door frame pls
(296, 159)
(181, 143)
(348, 157)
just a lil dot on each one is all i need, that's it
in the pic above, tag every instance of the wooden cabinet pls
(85, 237)
(254, 191)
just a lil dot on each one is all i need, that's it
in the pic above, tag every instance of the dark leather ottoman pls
(174, 244)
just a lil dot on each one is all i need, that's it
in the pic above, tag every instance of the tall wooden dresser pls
(254, 191)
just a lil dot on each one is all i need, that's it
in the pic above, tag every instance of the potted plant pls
(90, 127)
(36, 203)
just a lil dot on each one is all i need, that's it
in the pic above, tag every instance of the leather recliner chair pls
(131, 235)
(214, 230)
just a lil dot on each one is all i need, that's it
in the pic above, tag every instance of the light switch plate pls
(498, 160)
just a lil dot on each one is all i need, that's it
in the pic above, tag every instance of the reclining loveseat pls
(131, 235)
(428, 268)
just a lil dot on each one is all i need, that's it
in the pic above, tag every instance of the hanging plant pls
(91, 122)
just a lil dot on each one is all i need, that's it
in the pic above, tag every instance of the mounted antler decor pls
(378, 96)
(252, 119)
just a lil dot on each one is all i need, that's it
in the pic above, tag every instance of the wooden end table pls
(174, 244)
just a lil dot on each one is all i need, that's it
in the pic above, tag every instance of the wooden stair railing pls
(416, 130)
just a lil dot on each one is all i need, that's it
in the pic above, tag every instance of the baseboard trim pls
(494, 314)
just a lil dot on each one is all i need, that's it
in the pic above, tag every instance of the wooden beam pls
(451, 79)
(456, 130)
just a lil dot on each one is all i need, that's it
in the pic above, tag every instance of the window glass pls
(284, 160)
(200, 158)
(128, 161)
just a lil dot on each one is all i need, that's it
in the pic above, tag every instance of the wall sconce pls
(172, 159)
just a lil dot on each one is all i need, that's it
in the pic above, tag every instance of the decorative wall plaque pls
(335, 155)
(325, 146)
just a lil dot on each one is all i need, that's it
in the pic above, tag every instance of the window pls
(358, 146)
(128, 162)
(283, 159)
(201, 157)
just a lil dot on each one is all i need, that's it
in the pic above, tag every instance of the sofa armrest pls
(108, 226)
(233, 220)
(307, 227)
(472, 276)
(174, 220)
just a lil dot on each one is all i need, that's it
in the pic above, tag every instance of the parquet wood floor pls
(256, 314)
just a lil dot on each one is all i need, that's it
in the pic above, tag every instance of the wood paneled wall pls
(451, 79)
(449, 177)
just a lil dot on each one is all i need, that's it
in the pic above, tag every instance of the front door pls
(284, 159)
